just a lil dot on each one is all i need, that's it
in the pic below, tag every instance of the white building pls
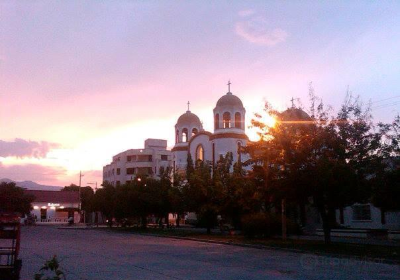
(54, 206)
(228, 136)
(151, 160)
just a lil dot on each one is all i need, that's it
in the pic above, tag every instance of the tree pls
(203, 195)
(104, 201)
(317, 157)
(14, 200)
(86, 196)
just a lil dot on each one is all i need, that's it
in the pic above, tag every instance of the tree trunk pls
(144, 222)
(326, 225)
(177, 220)
(383, 216)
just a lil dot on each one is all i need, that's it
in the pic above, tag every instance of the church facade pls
(228, 135)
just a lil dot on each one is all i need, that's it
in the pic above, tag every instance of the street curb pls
(264, 247)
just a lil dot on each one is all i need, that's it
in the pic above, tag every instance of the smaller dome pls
(295, 114)
(189, 119)
(229, 100)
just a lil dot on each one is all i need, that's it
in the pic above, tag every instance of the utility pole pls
(80, 199)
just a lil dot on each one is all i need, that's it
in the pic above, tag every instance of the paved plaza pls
(101, 254)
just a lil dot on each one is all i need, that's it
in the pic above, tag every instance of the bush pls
(266, 225)
(260, 225)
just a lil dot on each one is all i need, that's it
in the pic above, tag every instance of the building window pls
(130, 171)
(238, 120)
(118, 171)
(194, 131)
(177, 136)
(128, 158)
(185, 135)
(361, 212)
(162, 170)
(226, 119)
(164, 157)
(199, 153)
(216, 121)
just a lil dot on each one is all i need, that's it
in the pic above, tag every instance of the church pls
(228, 135)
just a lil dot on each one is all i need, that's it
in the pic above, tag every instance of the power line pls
(389, 98)
(385, 105)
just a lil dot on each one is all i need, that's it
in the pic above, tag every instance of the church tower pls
(187, 127)
(229, 126)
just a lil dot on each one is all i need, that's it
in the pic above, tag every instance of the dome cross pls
(229, 86)
(188, 104)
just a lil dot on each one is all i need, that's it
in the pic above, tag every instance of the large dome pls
(229, 100)
(295, 114)
(189, 119)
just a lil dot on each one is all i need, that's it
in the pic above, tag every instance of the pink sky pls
(82, 81)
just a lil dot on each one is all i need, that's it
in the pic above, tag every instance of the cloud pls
(22, 148)
(246, 13)
(31, 172)
(257, 31)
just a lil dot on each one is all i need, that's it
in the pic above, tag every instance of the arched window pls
(199, 153)
(185, 135)
(216, 121)
(177, 136)
(238, 120)
(226, 119)
(194, 131)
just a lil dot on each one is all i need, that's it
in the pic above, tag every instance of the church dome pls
(188, 119)
(229, 100)
(295, 114)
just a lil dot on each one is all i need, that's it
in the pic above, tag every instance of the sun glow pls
(254, 132)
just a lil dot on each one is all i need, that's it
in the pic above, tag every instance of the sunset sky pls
(83, 80)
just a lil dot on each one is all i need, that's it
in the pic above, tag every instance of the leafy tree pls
(317, 157)
(203, 195)
(86, 195)
(104, 201)
(14, 200)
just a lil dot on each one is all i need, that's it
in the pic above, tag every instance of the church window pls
(361, 212)
(216, 121)
(194, 131)
(185, 135)
(226, 118)
(164, 157)
(177, 136)
(199, 153)
(238, 120)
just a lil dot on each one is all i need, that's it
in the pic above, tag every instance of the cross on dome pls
(229, 86)
(292, 102)
(188, 104)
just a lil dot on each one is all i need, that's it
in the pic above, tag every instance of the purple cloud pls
(24, 148)
(32, 172)
(257, 31)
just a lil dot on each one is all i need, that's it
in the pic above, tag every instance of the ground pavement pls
(101, 254)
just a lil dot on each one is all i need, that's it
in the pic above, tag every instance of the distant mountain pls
(32, 185)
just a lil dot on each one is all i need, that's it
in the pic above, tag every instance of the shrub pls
(266, 225)
(260, 225)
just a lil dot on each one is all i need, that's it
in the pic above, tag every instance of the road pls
(100, 254)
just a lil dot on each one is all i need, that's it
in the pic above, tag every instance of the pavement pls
(98, 254)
